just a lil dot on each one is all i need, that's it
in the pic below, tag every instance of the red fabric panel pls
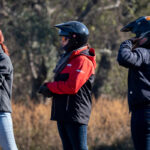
(79, 69)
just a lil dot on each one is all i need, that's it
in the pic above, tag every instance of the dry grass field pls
(109, 126)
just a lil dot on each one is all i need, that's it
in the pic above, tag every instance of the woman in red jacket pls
(72, 85)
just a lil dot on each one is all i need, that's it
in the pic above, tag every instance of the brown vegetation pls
(109, 126)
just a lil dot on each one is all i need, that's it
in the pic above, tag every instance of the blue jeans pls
(7, 140)
(140, 129)
(73, 136)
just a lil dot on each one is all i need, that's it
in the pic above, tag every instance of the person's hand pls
(45, 91)
(135, 42)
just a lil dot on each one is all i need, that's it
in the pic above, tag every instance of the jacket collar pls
(78, 51)
(91, 56)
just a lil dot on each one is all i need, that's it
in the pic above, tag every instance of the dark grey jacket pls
(6, 79)
(138, 62)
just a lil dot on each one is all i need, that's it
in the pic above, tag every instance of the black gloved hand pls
(45, 91)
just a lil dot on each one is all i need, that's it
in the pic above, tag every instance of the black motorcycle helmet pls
(141, 27)
(77, 33)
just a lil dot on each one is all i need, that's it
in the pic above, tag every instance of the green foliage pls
(116, 84)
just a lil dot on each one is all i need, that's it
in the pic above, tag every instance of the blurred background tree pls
(34, 43)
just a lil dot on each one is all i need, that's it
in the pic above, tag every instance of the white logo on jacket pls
(80, 71)
(69, 65)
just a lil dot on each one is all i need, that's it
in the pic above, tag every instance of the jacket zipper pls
(67, 105)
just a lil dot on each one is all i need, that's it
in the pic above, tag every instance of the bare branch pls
(110, 6)
(105, 51)
(31, 63)
(87, 10)
(91, 4)
(3, 9)
(33, 69)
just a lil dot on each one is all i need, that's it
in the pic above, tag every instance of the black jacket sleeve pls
(131, 58)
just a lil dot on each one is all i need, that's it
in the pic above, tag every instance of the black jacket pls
(138, 62)
(6, 79)
(72, 88)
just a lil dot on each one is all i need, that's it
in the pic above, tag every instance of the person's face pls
(64, 41)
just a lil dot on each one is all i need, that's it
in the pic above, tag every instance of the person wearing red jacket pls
(72, 86)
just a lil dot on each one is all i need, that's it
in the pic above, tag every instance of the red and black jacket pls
(72, 88)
